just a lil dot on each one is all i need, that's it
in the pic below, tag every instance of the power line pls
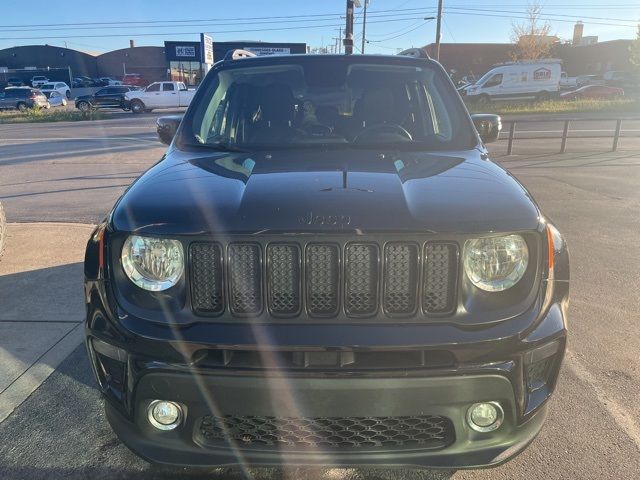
(244, 30)
(397, 36)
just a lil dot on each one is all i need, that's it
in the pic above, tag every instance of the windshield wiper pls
(218, 147)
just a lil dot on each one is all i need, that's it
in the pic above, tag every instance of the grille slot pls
(400, 278)
(245, 278)
(207, 288)
(283, 266)
(326, 433)
(323, 279)
(361, 279)
(440, 277)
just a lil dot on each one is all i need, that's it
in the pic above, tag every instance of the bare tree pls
(531, 38)
(634, 51)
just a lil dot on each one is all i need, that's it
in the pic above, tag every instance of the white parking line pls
(151, 138)
(622, 417)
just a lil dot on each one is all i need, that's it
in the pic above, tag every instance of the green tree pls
(634, 51)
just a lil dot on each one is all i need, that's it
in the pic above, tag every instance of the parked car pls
(626, 80)
(134, 79)
(56, 99)
(601, 92)
(110, 81)
(568, 82)
(159, 95)
(60, 87)
(22, 98)
(326, 268)
(38, 81)
(83, 82)
(583, 80)
(14, 82)
(522, 80)
(106, 97)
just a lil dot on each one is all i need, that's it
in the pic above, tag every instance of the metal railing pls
(617, 132)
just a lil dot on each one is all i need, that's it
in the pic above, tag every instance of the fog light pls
(164, 415)
(485, 417)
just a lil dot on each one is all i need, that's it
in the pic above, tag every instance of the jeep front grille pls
(324, 279)
(327, 433)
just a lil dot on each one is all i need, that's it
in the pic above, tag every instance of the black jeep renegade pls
(326, 268)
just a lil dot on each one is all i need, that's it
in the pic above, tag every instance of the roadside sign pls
(206, 49)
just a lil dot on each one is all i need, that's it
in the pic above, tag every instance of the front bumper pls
(324, 398)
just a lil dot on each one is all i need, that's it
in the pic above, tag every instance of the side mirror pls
(167, 127)
(488, 126)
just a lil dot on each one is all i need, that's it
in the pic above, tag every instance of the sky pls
(98, 27)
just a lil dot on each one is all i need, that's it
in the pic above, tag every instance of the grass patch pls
(623, 105)
(52, 115)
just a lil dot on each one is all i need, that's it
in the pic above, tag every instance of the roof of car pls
(306, 57)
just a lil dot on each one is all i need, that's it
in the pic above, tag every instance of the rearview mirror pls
(167, 128)
(488, 126)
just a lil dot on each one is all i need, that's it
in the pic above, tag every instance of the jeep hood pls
(350, 190)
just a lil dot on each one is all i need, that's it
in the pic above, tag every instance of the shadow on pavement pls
(61, 432)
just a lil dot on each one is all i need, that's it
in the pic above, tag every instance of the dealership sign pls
(542, 74)
(206, 47)
(182, 51)
(263, 51)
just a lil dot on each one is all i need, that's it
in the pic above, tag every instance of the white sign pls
(185, 51)
(207, 49)
(263, 51)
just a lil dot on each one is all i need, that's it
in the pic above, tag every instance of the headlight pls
(154, 264)
(495, 264)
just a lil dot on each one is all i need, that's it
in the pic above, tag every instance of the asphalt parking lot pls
(73, 173)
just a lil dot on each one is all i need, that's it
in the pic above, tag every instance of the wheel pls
(68, 94)
(543, 97)
(22, 107)
(3, 229)
(484, 100)
(84, 107)
(137, 106)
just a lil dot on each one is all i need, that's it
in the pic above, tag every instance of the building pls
(182, 61)
(477, 58)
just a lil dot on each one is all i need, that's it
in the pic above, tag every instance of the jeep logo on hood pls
(311, 218)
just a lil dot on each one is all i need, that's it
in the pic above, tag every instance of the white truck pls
(159, 95)
(521, 80)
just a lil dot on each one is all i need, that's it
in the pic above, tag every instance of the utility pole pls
(438, 26)
(364, 24)
(348, 31)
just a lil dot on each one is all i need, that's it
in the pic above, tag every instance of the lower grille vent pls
(419, 431)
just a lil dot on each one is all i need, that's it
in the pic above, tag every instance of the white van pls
(522, 80)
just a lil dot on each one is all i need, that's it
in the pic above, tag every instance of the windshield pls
(330, 102)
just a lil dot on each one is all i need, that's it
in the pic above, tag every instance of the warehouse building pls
(181, 61)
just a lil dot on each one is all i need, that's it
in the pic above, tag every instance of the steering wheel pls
(392, 128)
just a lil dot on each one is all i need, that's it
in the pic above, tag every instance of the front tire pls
(137, 107)
(84, 107)
(484, 100)
(68, 94)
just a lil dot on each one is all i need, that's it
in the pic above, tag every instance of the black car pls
(107, 97)
(326, 268)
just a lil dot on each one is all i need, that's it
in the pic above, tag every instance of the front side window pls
(154, 87)
(325, 102)
(494, 81)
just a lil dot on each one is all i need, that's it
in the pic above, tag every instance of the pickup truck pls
(159, 95)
